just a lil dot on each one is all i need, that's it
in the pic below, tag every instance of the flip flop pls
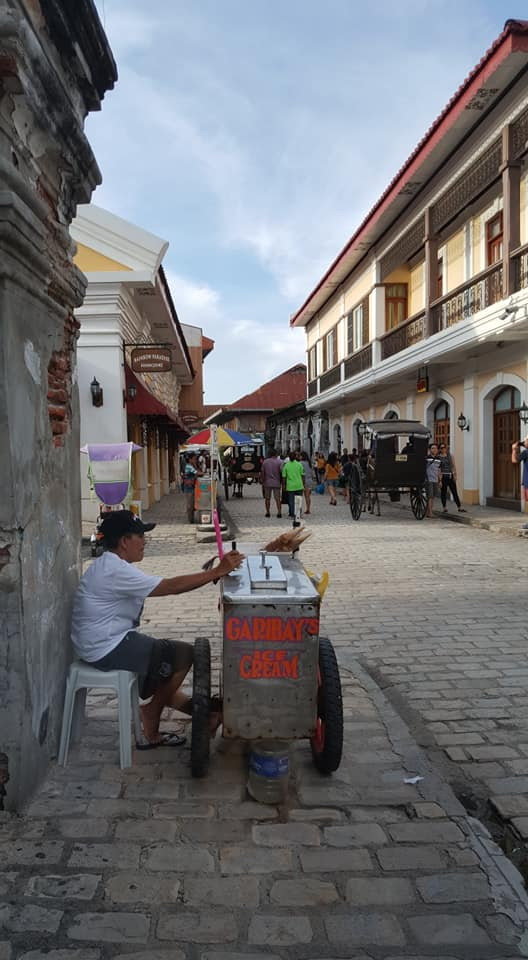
(169, 740)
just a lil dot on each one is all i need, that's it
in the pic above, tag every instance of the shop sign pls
(271, 629)
(151, 359)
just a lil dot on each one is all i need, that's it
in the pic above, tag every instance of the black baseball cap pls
(118, 523)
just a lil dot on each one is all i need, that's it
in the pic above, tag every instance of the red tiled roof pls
(288, 387)
(209, 408)
(207, 346)
(435, 132)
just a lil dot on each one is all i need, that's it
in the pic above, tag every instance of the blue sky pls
(254, 135)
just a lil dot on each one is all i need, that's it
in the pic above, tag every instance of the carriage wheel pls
(226, 485)
(356, 504)
(418, 502)
(201, 707)
(327, 741)
(355, 494)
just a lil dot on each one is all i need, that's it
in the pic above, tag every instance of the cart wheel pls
(356, 505)
(226, 485)
(201, 707)
(418, 502)
(327, 742)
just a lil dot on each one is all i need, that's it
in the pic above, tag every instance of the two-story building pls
(424, 313)
(134, 361)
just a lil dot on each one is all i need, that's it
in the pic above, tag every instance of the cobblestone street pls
(147, 863)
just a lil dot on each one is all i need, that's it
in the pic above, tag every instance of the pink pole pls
(218, 533)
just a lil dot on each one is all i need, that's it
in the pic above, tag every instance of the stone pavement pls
(148, 863)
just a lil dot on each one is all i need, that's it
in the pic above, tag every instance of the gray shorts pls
(271, 491)
(154, 661)
(432, 489)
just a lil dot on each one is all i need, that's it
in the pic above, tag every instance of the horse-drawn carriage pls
(393, 461)
(241, 463)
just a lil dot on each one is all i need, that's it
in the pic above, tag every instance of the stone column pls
(156, 466)
(142, 466)
(55, 66)
(377, 318)
(431, 271)
(470, 485)
(164, 456)
(511, 227)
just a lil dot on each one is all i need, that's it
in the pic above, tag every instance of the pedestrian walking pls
(448, 478)
(308, 480)
(271, 480)
(190, 476)
(320, 464)
(433, 472)
(331, 476)
(520, 455)
(293, 476)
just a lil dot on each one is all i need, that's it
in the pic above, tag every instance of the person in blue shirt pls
(190, 474)
(520, 455)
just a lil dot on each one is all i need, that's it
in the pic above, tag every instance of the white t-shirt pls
(108, 603)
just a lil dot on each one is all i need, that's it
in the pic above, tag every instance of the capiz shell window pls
(395, 304)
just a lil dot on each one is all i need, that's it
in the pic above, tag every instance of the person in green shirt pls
(293, 478)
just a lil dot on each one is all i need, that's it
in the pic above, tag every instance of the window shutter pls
(325, 354)
(366, 331)
(350, 334)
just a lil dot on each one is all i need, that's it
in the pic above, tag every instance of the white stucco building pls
(128, 303)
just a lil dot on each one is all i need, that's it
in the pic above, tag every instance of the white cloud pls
(247, 352)
(263, 133)
(196, 304)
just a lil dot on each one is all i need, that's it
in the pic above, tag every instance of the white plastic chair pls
(82, 676)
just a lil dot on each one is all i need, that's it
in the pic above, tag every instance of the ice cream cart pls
(279, 677)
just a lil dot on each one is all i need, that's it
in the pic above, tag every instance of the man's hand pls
(228, 563)
(192, 581)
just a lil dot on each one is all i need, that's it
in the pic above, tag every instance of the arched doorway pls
(506, 429)
(441, 422)
(391, 415)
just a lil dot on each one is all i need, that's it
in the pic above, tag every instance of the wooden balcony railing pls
(360, 360)
(467, 299)
(410, 331)
(312, 388)
(330, 378)
(520, 260)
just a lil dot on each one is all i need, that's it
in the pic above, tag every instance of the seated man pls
(107, 610)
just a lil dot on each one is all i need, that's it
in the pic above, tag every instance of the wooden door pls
(441, 432)
(506, 429)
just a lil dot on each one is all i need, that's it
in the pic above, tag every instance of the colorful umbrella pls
(224, 438)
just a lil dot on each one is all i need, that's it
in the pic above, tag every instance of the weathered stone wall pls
(55, 66)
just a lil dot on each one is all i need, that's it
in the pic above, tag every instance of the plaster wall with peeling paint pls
(55, 66)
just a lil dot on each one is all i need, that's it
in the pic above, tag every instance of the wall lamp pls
(463, 422)
(96, 391)
(523, 413)
(129, 394)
